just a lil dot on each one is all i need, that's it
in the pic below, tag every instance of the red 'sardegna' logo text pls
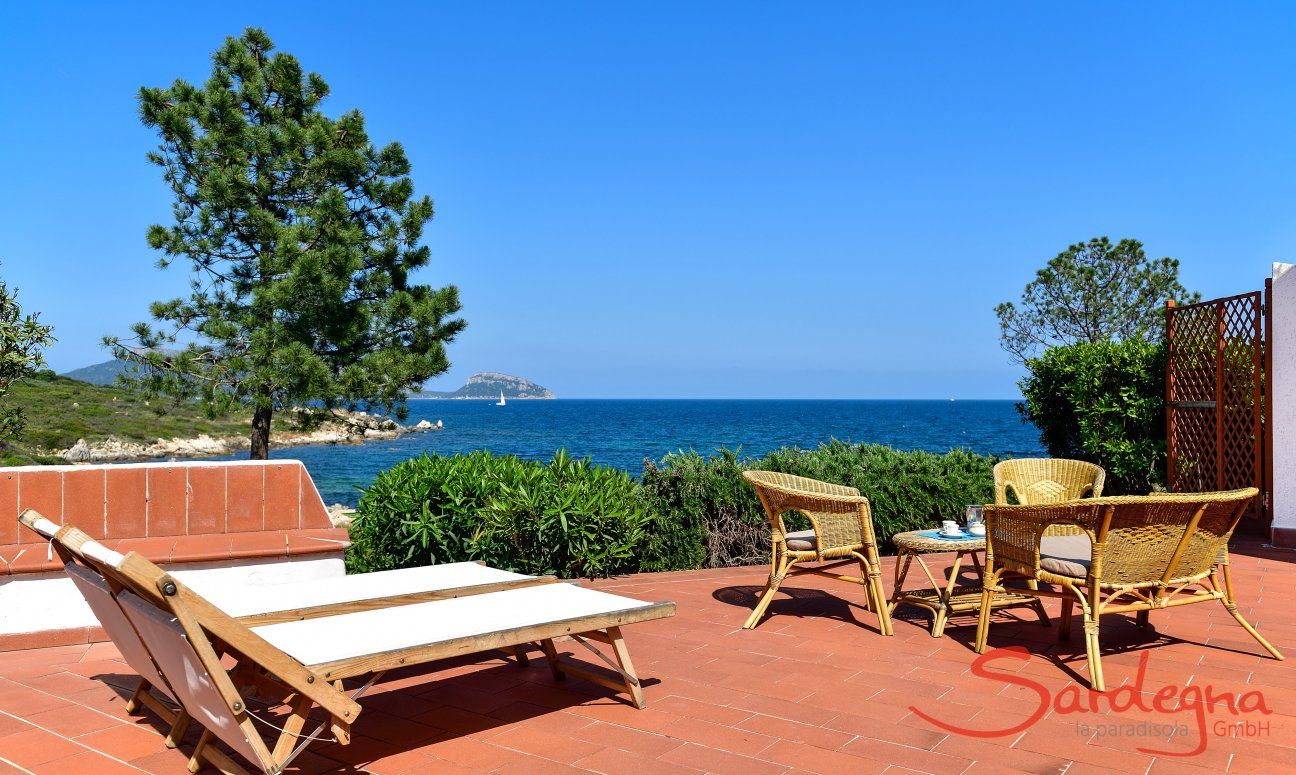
(1173, 702)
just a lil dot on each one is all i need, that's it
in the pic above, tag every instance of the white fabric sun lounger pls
(288, 601)
(261, 604)
(302, 656)
(450, 627)
(121, 632)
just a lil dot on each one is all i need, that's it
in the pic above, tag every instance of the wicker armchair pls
(841, 531)
(1129, 554)
(1041, 481)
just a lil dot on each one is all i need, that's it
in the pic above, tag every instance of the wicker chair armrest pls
(1077, 512)
(791, 486)
(842, 491)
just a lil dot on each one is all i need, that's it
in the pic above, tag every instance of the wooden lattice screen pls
(1215, 396)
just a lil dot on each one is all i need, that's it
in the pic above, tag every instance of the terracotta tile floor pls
(814, 689)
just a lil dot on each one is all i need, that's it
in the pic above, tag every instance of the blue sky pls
(698, 200)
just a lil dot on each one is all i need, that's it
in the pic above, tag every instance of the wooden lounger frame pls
(277, 676)
(69, 543)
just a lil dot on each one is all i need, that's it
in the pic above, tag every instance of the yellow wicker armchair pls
(841, 531)
(1040, 481)
(1127, 554)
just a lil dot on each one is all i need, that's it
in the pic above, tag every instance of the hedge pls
(706, 516)
(572, 518)
(566, 517)
(1103, 402)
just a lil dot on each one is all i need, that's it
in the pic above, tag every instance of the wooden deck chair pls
(99, 595)
(258, 603)
(303, 662)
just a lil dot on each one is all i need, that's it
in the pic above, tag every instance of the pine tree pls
(1092, 292)
(301, 236)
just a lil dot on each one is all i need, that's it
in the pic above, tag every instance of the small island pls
(491, 385)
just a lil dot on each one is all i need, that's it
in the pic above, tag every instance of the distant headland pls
(482, 385)
(491, 384)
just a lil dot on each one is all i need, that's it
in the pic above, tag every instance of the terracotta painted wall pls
(170, 511)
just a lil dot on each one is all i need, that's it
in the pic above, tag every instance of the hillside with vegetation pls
(60, 410)
(119, 424)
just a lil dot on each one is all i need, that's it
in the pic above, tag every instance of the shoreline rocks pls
(341, 516)
(342, 427)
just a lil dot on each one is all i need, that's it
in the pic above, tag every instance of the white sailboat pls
(501, 402)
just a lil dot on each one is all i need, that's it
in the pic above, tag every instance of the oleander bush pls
(1103, 402)
(706, 516)
(566, 517)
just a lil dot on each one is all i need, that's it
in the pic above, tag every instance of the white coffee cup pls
(950, 528)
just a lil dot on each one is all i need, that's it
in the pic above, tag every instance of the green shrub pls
(567, 517)
(1103, 402)
(422, 511)
(571, 518)
(705, 515)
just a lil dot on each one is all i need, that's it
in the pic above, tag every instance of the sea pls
(626, 432)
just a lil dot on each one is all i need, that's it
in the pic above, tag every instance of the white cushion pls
(1067, 555)
(331, 638)
(801, 541)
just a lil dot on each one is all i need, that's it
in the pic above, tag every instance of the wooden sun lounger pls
(259, 603)
(303, 661)
(99, 594)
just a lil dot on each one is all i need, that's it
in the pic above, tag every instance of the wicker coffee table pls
(945, 600)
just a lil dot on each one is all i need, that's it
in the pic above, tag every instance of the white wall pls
(39, 602)
(1283, 383)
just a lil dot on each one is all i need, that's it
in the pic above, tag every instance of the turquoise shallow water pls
(623, 433)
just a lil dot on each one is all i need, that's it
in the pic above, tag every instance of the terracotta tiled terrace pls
(814, 689)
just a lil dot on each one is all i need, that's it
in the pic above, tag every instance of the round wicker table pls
(950, 598)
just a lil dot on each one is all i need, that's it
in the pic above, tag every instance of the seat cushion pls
(801, 541)
(1066, 555)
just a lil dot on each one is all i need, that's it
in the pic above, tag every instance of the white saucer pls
(943, 534)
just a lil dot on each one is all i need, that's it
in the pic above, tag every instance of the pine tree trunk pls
(261, 434)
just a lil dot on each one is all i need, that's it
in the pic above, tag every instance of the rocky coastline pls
(339, 427)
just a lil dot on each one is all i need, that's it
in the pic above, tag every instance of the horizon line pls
(707, 398)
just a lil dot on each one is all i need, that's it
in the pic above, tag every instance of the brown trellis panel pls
(1215, 396)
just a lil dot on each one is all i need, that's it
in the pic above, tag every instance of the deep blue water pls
(623, 433)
